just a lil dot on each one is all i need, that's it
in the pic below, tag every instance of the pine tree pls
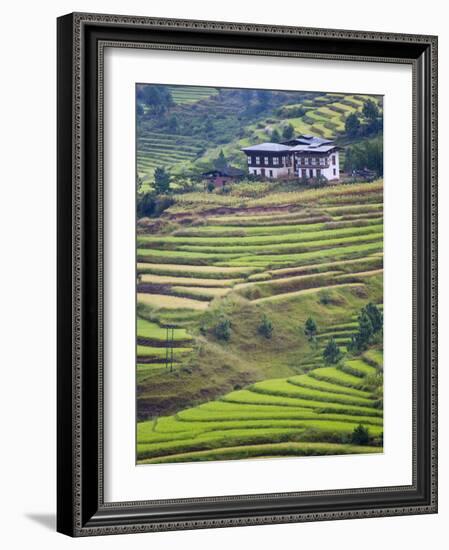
(352, 125)
(288, 131)
(310, 328)
(266, 327)
(375, 316)
(220, 162)
(331, 353)
(161, 181)
(275, 136)
(370, 110)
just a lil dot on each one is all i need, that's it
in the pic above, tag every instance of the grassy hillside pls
(260, 251)
(203, 121)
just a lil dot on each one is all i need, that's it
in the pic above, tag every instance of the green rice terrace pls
(225, 285)
(189, 137)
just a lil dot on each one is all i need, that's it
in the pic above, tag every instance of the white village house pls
(304, 157)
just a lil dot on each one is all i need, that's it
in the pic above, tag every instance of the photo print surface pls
(259, 273)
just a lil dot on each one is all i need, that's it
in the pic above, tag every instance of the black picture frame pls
(81, 510)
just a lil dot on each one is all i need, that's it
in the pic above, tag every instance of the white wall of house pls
(332, 172)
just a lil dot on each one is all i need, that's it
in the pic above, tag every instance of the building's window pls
(275, 161)
(257, 160)
(333, 160)
(288, 171)
(311, 173)
(318, 172)
(321, 161)
(249, 160)
(306, 160)
(303, 173)
(265, 160)
(262, 171)
(271, 173)
(313, 160)
(335, 172)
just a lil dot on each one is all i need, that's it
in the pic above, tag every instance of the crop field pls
(259, 301)
(191, 94)
(286, 255)
(302, 411)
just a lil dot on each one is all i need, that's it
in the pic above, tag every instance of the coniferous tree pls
(288, 131)
(220, 162)
(331, 353)
(310, 328)
(352, 125)
(370, 110)
(161, 181)
(275, 136)
(266, 327)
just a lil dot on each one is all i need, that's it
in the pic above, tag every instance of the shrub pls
(360, 435)
(222, 329)
(266, 327)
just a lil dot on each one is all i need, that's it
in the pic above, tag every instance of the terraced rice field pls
(324, 116)
(299, 415)
(156, 149)
(191, 94)
(283, 255)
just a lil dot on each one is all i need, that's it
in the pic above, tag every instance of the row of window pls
(305, 161)
(266, 160)
(317, 173)
(316, 160)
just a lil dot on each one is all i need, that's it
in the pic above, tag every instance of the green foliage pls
(275, 136)
(173, 125)
(360, 435)
(266, 327)
(220, 162)
(210, 186)
(158, 99)
(331, 353)
(288, 132)
(263, 98)
(310, 328)
(222, 329)
(161, 181)
(150, 205)
(352, 125)
(370, 110)
(370, 322)
(146, 205)
(368, 154)
(375, 316)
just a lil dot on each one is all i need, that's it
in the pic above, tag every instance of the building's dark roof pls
(267, 147)
(313, 149)
(311, 141)
(303, 142)
(228, 171)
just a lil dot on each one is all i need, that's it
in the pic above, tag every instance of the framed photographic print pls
(246, 274)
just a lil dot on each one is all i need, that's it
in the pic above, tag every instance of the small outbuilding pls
(219, 177)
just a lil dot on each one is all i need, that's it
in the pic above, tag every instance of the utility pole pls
(172, 343)
(166, 347)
